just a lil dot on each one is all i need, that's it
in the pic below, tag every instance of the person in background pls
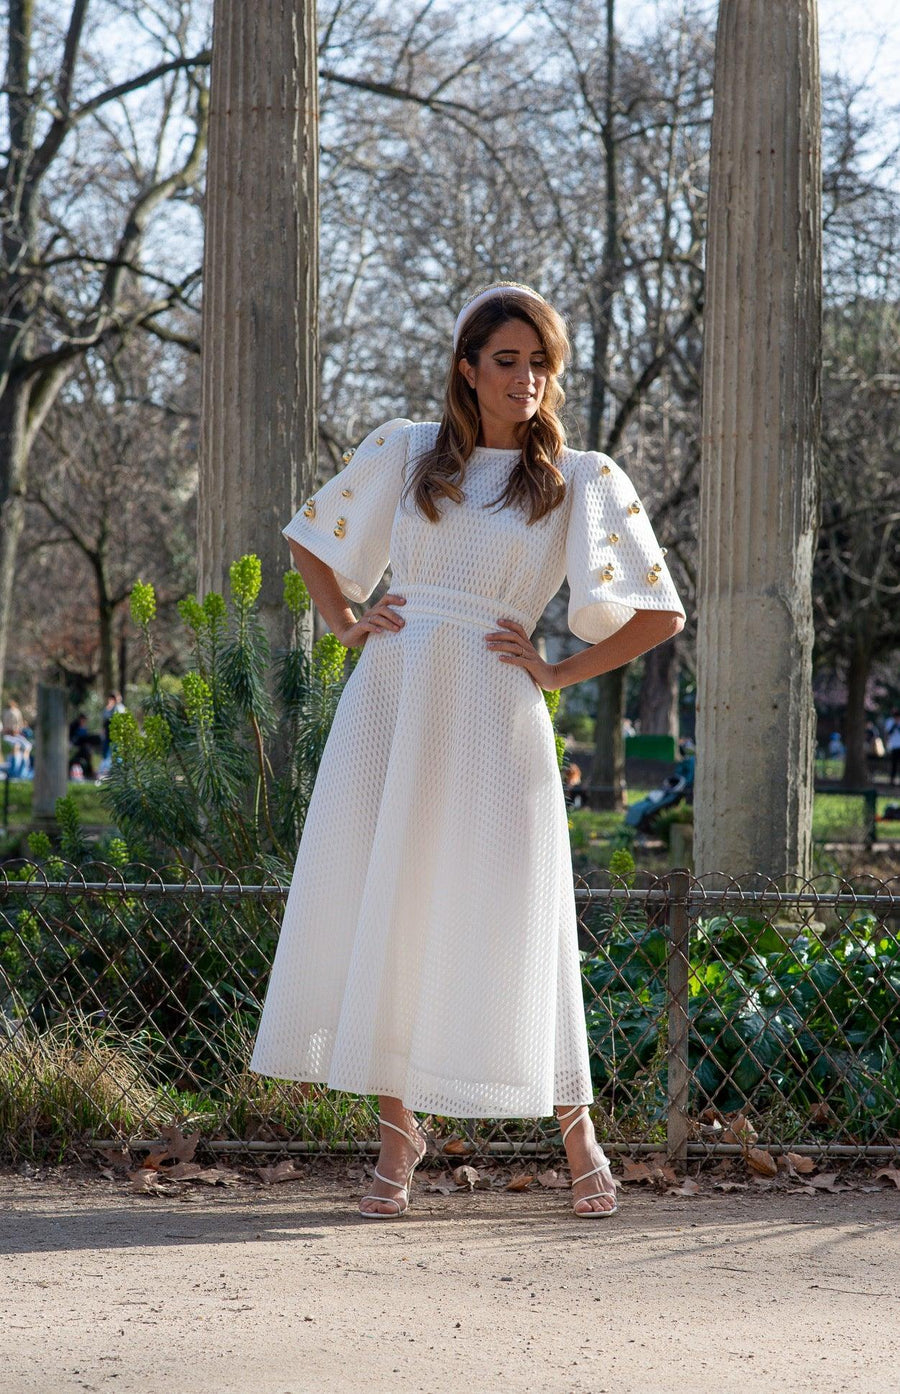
(892, 743)
(85, 742)
(16, 745)
(114, 704)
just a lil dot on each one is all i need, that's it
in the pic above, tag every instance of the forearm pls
(324, 589)
(643, 631)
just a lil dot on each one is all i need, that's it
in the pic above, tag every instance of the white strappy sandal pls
(403, 1187)
(604, 1166)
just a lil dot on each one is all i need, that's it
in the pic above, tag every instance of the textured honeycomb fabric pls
(428, 949)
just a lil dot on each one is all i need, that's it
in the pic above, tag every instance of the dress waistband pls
(463, 606)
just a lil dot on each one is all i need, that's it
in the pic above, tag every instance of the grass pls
(87, 795)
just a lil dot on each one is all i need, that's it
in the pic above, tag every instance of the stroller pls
(675, 787)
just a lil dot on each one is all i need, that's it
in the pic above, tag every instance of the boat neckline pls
(498, 450)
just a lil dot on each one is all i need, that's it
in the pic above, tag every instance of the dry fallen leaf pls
(154, 1160)
(821, 1113)
(802, 1165)
(824, 1182)
(635, 1171)
(731, 1186)
(116, 1157)
(465, 1177)
(457, 1147)
(183, 1171)
(439, 1188)
(889, 1174)
(217, 1176)
(178, 1146)
(281, 1171)
(740, 1130)
(687, 1188)
(146, 1183)
(761, 1161)
(553, 1180)
(518, 1183)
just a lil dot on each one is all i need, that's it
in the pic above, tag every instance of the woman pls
(429, 953)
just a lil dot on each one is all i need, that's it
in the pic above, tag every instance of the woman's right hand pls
(380, 617)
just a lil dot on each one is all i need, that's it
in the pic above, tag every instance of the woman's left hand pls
(515, 648)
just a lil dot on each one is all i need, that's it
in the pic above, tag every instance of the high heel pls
(403, 1187)
(604, 1166)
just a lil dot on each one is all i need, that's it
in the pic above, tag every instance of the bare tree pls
(113, 484)
(93, 157)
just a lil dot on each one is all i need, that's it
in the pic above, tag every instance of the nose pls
(525, 375)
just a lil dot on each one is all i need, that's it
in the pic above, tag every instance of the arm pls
(643, 631)
(334, 609)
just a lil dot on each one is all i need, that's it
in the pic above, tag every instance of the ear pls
(467, 371)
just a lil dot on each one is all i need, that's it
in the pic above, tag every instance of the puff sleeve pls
(614, 564)
(347, 523)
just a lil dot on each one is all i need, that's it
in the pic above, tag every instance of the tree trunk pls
(122, 658)
(761, 406)
(856, 770)
(258, 432)
(608, 789)
(106, 614)
(13, 467)
(658, 710)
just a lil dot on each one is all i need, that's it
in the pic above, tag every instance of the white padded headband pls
(498, 288)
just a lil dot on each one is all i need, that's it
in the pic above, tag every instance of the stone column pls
(260, 291)
(51, 752)
(761, 407)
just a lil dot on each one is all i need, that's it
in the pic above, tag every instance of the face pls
(510, 376)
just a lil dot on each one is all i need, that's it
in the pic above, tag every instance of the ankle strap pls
(563, 1116)
(383, 1122)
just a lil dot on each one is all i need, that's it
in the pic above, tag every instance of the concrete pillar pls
(51, 752)
(761, 406)
(260, 291)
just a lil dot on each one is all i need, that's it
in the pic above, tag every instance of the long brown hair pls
(535, 483)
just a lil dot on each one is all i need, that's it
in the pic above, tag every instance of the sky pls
(861, 37)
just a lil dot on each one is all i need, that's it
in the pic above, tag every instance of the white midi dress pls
(428, 949)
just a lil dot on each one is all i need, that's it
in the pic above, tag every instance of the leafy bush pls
(795, 1023)
(222, 771)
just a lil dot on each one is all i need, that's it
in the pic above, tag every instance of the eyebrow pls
(515, 352)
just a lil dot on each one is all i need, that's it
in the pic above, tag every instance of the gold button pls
(348, 456)
(657, 566)
(605, 469)
(652, 577)
(634, 507)
(380, 440)
(310, 508)
(606, 574)
(346, 493)
(614, 537)
(339, 529)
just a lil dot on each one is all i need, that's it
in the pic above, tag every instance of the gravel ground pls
(283, 1290)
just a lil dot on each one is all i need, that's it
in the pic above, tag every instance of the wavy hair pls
(535, 483)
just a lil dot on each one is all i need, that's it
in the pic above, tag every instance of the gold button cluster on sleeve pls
(346, 493)
(309, 508)
(614, 537)
(605, 469)
(634, 507)
(340, 527)
(379, 440)
(607, 573)
(653, 573)
(348, 456)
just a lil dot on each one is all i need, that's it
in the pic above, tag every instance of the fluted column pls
(761, 407)
(260, 310)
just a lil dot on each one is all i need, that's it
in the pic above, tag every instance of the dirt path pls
(285, 1291)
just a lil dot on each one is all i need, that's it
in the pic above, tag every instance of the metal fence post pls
(678, 1070)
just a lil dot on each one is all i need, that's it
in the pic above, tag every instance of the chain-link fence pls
(715, 1014)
